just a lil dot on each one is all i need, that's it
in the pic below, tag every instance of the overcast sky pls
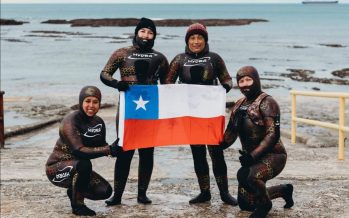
(157, 1)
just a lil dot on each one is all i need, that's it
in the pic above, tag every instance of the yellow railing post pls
(293, 119)
(342, 129)
(341, 134)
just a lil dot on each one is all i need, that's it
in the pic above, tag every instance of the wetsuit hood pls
(88, 91)
(253, 91)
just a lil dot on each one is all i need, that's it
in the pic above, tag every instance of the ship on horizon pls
(319, 2)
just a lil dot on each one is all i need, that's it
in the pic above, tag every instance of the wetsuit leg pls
(267, 168)
(98, 188)
(61, 173)
(145, 169)
(80, 182)
(220, 172)
(284, 191)
(121, 172)
(74, 175)
(202, 173)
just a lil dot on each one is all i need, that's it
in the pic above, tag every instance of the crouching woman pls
(81, 138)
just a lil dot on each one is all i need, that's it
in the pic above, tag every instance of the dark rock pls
(11, 22)
(305, 76)
(316, 88)
(334, 45)
(297, 46)
(165, 22)
(56, 21)
(59, 32)
(15, 40)
(341, 73)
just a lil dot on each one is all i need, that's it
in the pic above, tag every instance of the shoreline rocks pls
(11, 22)
(305, 76)
(341, 73)
(166, 22)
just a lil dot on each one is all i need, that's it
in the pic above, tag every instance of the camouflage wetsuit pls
(81, 138)
(204, 68)
(256, 120)
(137, 65)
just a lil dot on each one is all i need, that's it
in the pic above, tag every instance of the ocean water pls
(33, 64)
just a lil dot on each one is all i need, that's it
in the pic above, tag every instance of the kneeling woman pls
(81, 138)
(256, 120)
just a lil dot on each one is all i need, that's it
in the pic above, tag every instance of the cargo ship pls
(319, 2)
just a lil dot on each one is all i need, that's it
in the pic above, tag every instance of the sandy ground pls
(321, 182)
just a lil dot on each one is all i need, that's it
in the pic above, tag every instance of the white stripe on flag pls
(120, 131)
(203, 101)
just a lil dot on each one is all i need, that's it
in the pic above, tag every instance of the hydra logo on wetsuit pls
(63, 174)
(194, 62)
(142, 56)
(93, 131)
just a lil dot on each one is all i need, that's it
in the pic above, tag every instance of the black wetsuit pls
(137, 66)
(204, 68)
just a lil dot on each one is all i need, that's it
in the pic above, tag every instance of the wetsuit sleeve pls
(230, 134)
(173, 71)
(71, 135)
(163, 69)
(221, 71)
(271, 117)
(114, 62)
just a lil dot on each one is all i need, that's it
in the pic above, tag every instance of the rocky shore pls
(11, 22)
(134, 21)
(320, 182)
(305, 75)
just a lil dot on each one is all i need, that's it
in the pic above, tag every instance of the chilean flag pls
(175, 114)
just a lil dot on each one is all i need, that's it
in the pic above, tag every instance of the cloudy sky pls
(157, 1)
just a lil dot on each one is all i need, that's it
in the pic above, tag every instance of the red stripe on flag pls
(172, 131)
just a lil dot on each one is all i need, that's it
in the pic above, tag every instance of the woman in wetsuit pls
(256, 120)
(200, 66)
(81, 138)
(138, 64)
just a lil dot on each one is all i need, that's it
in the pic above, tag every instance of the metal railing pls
(340, 126)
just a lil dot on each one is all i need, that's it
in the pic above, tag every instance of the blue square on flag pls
(142, 102)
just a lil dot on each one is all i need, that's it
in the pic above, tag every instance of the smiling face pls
(146, 34)
(196, 43)
(90, 105)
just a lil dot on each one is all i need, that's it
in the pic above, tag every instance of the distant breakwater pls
(133, 22)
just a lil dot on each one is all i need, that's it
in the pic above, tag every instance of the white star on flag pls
(140, 103)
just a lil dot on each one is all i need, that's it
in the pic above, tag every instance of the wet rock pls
(333, 45)
(11, 22)
(297, 46)
(56, 21)
(15, 40)
(165, 22)
(59, 32)
(341, 73)
(305, 76)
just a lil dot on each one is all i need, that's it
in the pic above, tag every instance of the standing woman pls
(200, 66)
(138, 64)
(81, 138)
(256, 120)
